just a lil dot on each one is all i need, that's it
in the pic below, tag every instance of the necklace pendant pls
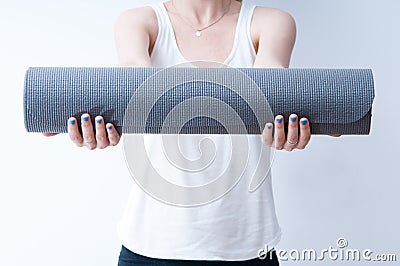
(198, 33)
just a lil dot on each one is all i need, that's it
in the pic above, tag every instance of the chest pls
(214, 44)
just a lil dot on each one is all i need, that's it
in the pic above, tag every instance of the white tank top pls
(233, 227)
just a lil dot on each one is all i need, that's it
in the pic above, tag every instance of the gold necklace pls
(199, 30)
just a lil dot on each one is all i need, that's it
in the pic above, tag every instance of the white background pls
(59, 205)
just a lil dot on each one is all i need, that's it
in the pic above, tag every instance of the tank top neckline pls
(175, 43)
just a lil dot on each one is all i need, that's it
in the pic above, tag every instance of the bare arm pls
(275, 32)
(134, 31)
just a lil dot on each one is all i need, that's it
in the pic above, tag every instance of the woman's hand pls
(294, 139)
(49, 134)
(103, 136)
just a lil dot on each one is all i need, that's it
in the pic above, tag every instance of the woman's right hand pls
(103, 136)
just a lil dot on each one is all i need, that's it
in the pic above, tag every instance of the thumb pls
(49, 134)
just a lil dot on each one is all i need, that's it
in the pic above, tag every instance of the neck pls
(201, 11)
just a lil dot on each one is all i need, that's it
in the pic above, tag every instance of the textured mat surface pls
(336, 101)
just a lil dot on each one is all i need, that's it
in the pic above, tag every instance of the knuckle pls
(114, 143)
(75, 139)
(89, 140)
(267, 143)
(305, 138)
(102, 147)
(114, 140)
(280, 139)
(88, 137)
(101, 138)
(91, 147)
(266, 138)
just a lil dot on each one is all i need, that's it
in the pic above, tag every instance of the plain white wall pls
(59, 205)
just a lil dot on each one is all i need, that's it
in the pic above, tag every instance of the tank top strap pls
(165, 51)
(244, 53)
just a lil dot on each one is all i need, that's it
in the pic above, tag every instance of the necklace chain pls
(199, 30)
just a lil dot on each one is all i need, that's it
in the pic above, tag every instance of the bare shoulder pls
(273, 20)
(135, 33)
(274, 35)
(268, 14)
(140, 17)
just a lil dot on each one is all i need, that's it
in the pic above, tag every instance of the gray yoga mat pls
(336, 101)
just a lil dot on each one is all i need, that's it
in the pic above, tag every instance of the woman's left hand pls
(294, 139)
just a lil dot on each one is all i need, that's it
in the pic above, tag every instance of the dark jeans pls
(129, 258)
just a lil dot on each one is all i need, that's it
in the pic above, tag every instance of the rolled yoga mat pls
(336, 101)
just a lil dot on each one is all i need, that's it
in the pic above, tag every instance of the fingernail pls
(109, 127)
(98, 121)
(304, 122)
(279, 120)
(293, 119)
(72, 121)
(86, 119)
(269, 126)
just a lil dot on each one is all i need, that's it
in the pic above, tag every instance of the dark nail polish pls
(304, 122)
(279, 120)
(293, 119)
(72, 121)
(269, 126)
(86, 119)
(98, 121)
(109, 127)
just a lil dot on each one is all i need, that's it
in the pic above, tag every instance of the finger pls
(335, 135)
(293, 133)
(87, 132)
(49, 134)
(113, 135)
(279, 134)
(305, 133)
(267, 135)
(74, 133)
(101, 135)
